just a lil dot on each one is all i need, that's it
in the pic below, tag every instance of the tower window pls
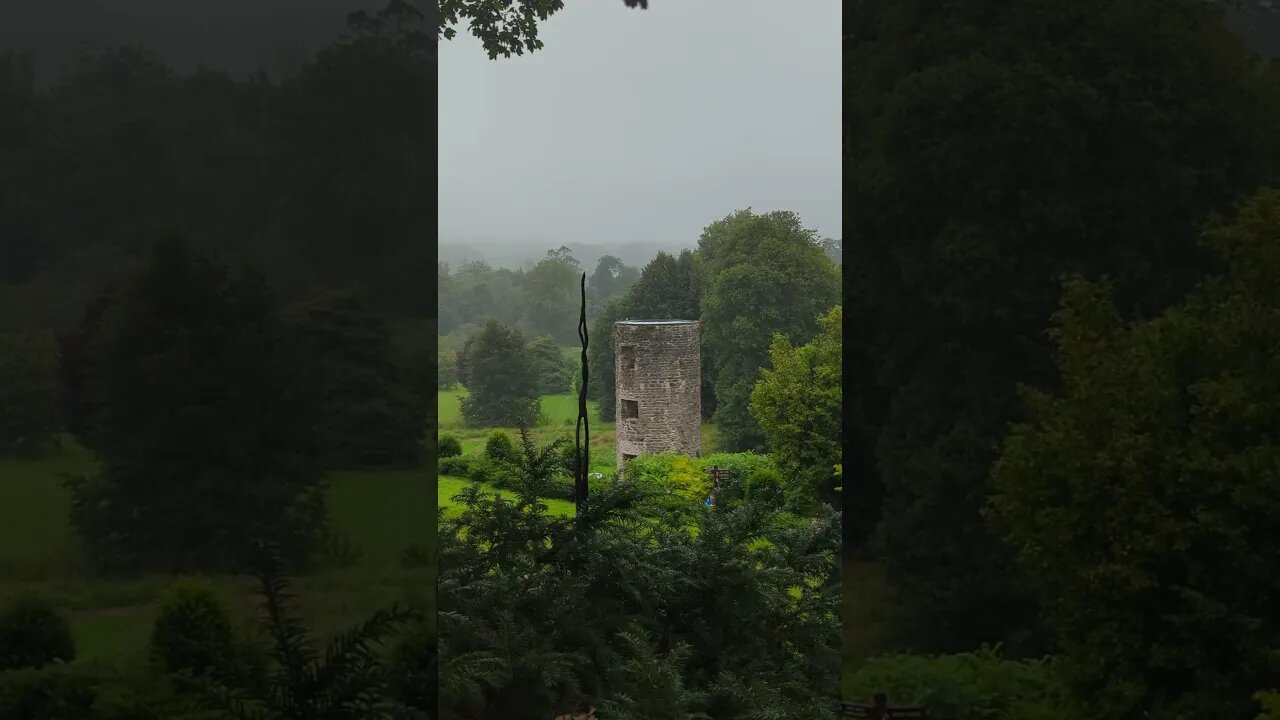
(630, 410)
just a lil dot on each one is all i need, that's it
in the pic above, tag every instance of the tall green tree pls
(30, 394)
(554, 371)
(552, 296)
(764, 274)
(1140, 493)
(204, 426)
(797, 403)
(502, 387)
(611, 277)
(602, 359)
(993, 148)
(371, 415)
(76, 348)
(356, 179)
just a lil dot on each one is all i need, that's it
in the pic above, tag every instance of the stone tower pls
(659, 388)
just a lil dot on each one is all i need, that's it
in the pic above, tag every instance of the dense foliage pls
(192, 632)
(1140, 495)
(797, 403)
(502, 387)
(994, 147)
(33, 634)
(644, 610)
(370, 415)
(30, 392)
(242, 165)
(554, 371)
(763, 274)
(980, 684)
(541, 300)
(192, 352)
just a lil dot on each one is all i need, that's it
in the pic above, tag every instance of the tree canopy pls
(992, 149)
(1140, 492)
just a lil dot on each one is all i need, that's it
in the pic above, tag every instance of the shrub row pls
(193, 636)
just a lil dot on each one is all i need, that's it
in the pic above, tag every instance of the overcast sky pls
(644, 125)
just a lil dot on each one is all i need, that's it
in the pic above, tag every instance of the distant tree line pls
(539, 300)
(121, 149)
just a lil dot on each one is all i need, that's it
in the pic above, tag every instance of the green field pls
(867, 608)
(560, 413)
(381, 513)
(560, 418)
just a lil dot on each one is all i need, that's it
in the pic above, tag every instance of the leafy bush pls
(980, 684)
(764, 484)
(192, 634)
(93, 691)
(457, 465)
(345, 679)
(54, 693)
(448, 446)
(568, 456)
(32, 634)
(671, 473)
(712, 624)
(562, 488)
(740, 465)
(484, 469)
(413, 669)
(499, 447)
(415, 556)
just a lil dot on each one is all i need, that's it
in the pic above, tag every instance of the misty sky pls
(644, 125)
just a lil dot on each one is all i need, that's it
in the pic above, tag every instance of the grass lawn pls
(450, 486)
(560, 413)
(866, 612)
(560, 419)
(381, 513)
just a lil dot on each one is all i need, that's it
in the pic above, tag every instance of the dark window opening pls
(627, 458)
(630, 410)
(627, 364)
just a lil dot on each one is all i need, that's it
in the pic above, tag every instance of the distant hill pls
(237, 36)
(522, 253)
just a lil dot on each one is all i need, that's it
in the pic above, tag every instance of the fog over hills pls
(238, 36)
(524, 252)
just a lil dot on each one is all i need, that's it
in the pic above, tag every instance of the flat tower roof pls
(655, 322)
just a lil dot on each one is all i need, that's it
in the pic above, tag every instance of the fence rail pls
(880, 709)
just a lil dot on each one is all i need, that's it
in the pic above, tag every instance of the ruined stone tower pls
(659, 388)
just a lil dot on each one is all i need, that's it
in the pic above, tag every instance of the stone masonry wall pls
(659, 376)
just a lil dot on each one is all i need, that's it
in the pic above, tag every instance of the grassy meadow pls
(560, 415)
(866, 614)
(382, 514)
